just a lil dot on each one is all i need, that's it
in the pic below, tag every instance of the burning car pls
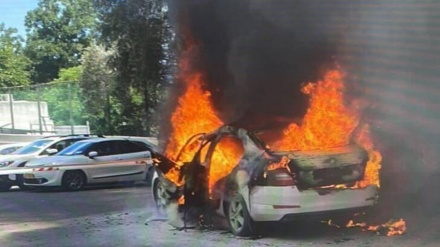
(232, 172)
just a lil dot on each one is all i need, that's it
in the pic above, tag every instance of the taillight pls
(279, 177)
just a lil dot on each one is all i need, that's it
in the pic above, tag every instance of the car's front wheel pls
(160, 196)
(20, 182)
(239, 220)
(73, 180)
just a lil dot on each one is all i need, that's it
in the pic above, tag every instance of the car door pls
(103, 167)
(118, 160)
(133, 160)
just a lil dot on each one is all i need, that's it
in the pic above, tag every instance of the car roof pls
(98, 139)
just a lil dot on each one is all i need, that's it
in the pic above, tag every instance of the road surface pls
(116, 216)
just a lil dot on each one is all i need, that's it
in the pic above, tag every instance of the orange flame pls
(327, 123)
(330, 123)
(225, 157)
(281, 164)
(194, 114)
(392, 228)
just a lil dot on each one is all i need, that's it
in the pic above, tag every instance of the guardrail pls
(14, 138)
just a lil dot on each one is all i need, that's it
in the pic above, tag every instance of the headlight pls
(5, 163)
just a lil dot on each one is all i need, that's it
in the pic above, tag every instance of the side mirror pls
(51, 151)
(92, 154)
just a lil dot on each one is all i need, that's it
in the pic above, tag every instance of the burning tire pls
(239, 220)
(160, 196)
(73, 180)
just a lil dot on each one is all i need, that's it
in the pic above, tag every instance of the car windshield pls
(34, 147)
(78, 148)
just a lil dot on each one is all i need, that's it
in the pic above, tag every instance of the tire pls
(5, 187)
(20, 182)
(239, 220)
(160, 197)
(73, 180)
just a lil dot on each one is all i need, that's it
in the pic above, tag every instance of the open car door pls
(175, 174)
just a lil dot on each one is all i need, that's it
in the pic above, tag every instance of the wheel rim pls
(236, 216)
(161, 200)
(75, 181)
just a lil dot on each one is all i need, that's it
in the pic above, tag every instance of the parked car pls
(93, 161)
(264, 185)
(40, 148)
(10, 148)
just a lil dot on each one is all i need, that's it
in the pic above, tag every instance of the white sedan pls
(100, 160)
(260, 184)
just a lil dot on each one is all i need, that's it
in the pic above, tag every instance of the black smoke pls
(255, 55)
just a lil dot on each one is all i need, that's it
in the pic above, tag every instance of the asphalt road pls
(116, 216)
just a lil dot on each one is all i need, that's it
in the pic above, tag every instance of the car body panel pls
(102, 168)
(6, 149)
(37, 149)
(269, 203)
(310, 193)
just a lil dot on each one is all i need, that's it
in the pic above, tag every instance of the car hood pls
(58, 160)
(13, 157)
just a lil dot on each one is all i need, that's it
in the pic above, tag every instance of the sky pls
(12, 13)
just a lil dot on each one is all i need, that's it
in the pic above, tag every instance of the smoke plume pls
(255, 55)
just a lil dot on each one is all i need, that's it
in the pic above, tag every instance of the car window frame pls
(92, 147)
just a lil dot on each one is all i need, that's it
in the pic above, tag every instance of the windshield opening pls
(78, 148)
(34, 147)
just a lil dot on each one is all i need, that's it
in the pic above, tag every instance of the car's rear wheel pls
(73, 180)
(160, 196)
(239, 220)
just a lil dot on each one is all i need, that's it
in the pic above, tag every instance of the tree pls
(58, 31)
(97, 85)
(62, 96)
(14, 66)
(72, 74)
(138, 29)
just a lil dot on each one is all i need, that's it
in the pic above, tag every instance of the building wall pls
(25, 115)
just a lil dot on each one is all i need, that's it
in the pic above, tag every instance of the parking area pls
(115, 215)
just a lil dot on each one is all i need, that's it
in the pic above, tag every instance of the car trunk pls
(341, 165)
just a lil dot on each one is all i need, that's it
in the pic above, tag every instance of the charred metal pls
(317, 170)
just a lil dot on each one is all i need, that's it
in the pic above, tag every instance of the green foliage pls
(58, 31)
(63, 99)
(70, 74)
(97, 85)
(14, 66)
(138, 30)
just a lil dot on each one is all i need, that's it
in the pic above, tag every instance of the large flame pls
(329, 122)
(225, 157)
(193, 114)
